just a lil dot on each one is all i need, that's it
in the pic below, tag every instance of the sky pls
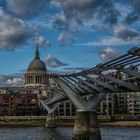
(71, 35)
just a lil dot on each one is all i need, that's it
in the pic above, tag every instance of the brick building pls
(5, 104)
(18, 104)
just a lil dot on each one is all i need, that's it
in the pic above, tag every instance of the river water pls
(42, 133)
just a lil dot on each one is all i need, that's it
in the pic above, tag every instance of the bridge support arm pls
(50, 120)
(76, 99)
(95, 101)
(49, 109)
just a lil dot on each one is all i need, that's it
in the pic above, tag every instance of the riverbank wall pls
(22, 120)
(64, 121)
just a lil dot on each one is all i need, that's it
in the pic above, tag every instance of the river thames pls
(42, 133)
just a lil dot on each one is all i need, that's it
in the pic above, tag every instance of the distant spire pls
(37, 53)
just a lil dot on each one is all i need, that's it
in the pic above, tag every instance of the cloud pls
(41, 41)
(14, 80)
(53, 62)
(75, 68)
(26, 8)
(55, 3)
(61, 22)
(121, 36)
(135, 14)
(113, 41)
(108, 54)
(81, 11)
(125, 33)
(65, 38)
(13, 31)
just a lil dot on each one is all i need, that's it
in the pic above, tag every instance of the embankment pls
(61, 121)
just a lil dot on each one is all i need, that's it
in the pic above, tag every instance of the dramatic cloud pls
(82, 10)
(53, 62)
(13, 31)
(15, 80)
(121, 36)
(135, 14)
(41, 41)
(108, 54)
(125, 33)
(26, 8)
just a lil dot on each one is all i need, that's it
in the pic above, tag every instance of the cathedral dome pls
(36, 75)
(36, 64)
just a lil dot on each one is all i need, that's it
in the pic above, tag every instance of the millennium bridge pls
(86, 89)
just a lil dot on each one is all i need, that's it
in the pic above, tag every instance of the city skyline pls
(71, 35)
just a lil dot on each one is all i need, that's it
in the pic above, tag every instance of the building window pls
(23, 101)
(28, 100)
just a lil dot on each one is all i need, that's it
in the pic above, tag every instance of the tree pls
(34, 111)
(16, 110)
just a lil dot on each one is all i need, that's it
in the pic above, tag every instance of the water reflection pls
(35, 133)
(42, 133)
(120, 133)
